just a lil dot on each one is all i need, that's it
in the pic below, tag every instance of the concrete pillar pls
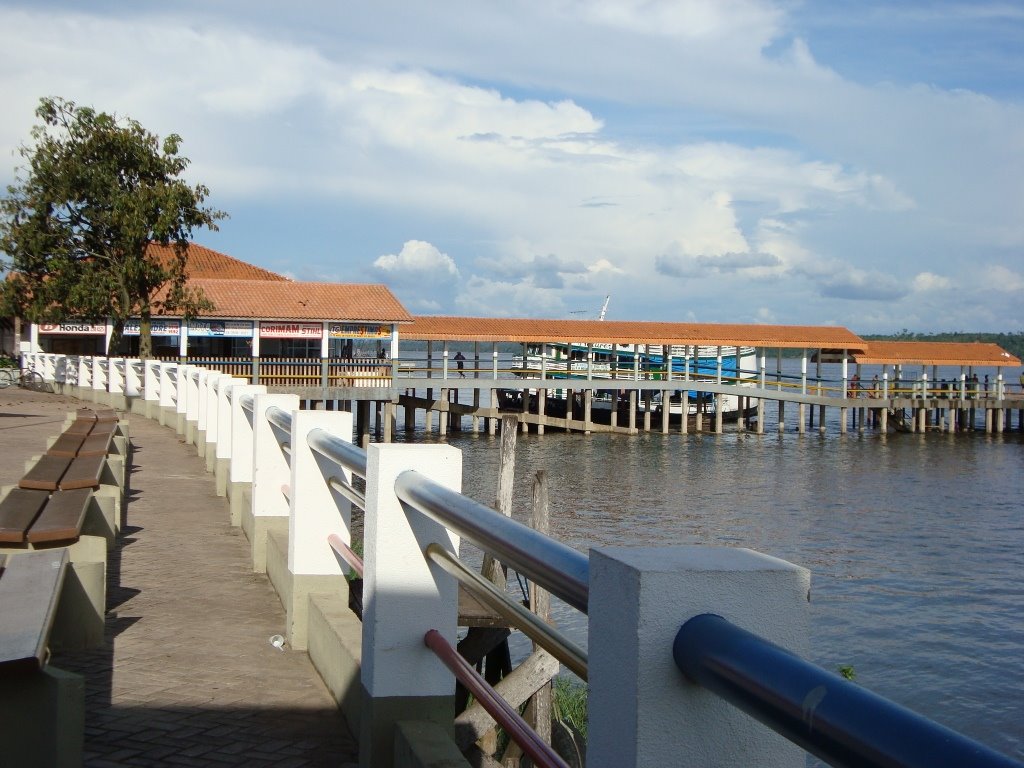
(192, 403)
(271, 472)
(403, 597)
(222, 452)
(181, 398)
(588, 395)
(151, 372)
(240, 463)
(315, 511)
(209, 418)
(639, 598)
(168, 372)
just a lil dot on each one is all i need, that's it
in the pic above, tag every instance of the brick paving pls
(187, 675)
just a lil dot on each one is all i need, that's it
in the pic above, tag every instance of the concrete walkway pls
(187, 676)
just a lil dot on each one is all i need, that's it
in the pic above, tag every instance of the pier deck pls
(186, 675)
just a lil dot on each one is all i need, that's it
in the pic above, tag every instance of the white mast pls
(604, 307)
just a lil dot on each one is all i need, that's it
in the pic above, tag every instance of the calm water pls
(915, 543)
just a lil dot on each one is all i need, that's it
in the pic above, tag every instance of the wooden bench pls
(43, 707)
(30, 585)
(35, 516)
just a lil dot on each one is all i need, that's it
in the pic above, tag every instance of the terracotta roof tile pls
(623, 332)
(276, 300)
(936, 353)
(208, 264)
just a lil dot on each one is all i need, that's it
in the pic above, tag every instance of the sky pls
(856, 164)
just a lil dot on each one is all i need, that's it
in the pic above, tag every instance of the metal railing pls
(824, 714)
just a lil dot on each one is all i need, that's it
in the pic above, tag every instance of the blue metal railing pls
(839, 722)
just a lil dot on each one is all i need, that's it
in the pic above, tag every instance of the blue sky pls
(859, 164)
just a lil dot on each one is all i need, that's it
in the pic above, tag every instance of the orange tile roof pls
(288, 300)
(624, 332)
(936, 353)
(208, 264)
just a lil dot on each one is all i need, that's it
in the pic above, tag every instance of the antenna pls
(604, 307)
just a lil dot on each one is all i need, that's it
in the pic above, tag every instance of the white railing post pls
(150, 388)
(133, 378)
(192, 402)
(639, 598)
(222, 453)
(208, 418)
(116, 382)
(84, 377)
(315, 512)
(202, 407)
(60, 372)
(99, 379)
(271, 472)
(181, 397)
(403, 598)
(168, 385)
(239, 486)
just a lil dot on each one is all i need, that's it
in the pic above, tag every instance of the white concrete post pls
(241, 461)
(133, 378)
(192, 403)
(642, 710)
(271, 471)
(151, 373)
(98, 379)
(208, 419)
(222, 454)
(315, 512)
(202, 406)
(84, 374)
(60, 370)
(403, 597)
(168, 386)
(885, 384)
(182, 397)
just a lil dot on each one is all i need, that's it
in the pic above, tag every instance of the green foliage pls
(95, 191)
(847, 672)
(569, 702)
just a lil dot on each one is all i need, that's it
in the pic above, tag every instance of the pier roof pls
(433, 328)
(936, 353)
(288, 300)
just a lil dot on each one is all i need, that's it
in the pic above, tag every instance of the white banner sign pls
(74, 328)
(284, 330)
(358, 331)
(235, 329)
(158, 327)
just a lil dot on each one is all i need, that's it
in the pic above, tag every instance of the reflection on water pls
(915, 543)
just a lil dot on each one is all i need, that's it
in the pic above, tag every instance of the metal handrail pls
(503, 713)
(561, 570)
(559, 646)
(280, 418)
(347, 490)
(341, 452)
(829, 717)
(346, 553)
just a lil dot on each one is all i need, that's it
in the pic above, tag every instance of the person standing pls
(460, 360)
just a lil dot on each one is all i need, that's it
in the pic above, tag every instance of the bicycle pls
(26, 379)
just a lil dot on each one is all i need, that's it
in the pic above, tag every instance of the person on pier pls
(460, 360)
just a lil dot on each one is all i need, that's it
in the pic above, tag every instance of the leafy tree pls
(95, 191)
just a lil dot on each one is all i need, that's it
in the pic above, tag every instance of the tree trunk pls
(145, 335)
(116, 339)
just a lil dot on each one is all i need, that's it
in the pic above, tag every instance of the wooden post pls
(538, 710)
(490, 568)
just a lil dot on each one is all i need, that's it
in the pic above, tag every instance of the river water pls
(915, 542)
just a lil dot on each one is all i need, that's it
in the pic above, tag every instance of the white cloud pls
(929, 281)
(996, 277)
(415, 262)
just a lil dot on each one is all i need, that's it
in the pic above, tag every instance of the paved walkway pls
(187, 676)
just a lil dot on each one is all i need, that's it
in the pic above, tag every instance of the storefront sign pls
(157, 327)
(74, 328)
(234, 329)
(357, 331)
(278, 330)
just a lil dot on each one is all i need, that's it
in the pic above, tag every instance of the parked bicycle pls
(27, 379)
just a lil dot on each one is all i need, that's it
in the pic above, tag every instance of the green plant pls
(847, 672)
(569, 702)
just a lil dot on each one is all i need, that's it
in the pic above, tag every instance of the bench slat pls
(80, 427)
(66, 445)
(29, 591)
(84, 472)
(107, 417)
(17, 511)
(46, 474)
(62, 517)
(96, 444)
